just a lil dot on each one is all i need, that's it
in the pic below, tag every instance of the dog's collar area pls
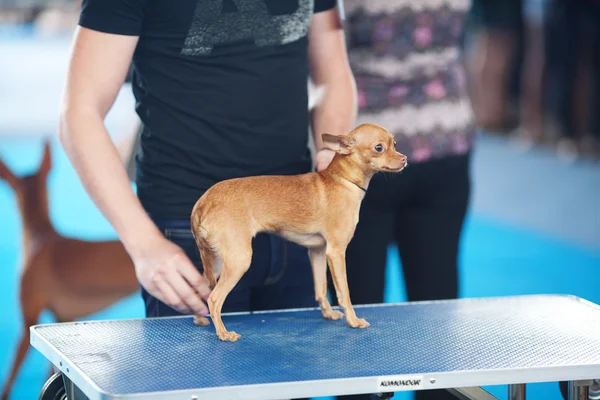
(354, 183)
(357, 185)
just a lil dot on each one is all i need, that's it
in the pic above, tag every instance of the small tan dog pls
(318, 210)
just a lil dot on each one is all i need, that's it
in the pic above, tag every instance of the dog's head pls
(370, 146)
(30, 191)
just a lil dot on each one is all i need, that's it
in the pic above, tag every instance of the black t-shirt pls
(220, 87)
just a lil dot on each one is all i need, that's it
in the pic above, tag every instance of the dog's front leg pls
(318, 261)
(336, 258)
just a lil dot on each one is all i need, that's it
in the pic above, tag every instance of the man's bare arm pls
(336, 114)
(98, 66)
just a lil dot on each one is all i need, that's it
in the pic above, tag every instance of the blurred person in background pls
(494, 30)
(406, 59)
(574, 62)
(532, 111)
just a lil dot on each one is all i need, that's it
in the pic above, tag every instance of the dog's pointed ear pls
(7, 175)
(46, 163)
(341, 144)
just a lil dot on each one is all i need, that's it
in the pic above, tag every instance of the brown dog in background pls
(318, 210)
(71, 278)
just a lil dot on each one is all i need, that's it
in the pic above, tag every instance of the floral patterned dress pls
(405, 55)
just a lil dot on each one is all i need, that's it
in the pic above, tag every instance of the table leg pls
(472, 393)
(73, 392)
(578, 390)
(516, 392)
(385, 396)
(53, 389)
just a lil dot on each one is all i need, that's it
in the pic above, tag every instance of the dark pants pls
(573, 37)
(421, 211)
(280, 274)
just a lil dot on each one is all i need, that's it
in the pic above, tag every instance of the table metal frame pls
(578, 388)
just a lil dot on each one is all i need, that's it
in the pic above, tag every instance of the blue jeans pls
(280, 274)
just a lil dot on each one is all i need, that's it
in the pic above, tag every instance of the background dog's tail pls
(207, 255)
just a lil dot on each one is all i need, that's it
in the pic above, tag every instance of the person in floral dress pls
(406, 59)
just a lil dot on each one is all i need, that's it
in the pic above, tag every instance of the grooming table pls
(458, 345)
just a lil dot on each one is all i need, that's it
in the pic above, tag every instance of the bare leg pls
(319, 267)
(337, 265)
(582, 90)
(488, 66)
(532, 109)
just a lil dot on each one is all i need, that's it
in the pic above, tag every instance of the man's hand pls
(323, 158)
(166, 273)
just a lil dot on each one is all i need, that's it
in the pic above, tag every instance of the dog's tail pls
(207, 255)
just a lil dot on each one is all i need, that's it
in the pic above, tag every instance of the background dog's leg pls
(20, 355)
(318, 261)
(32, 302)
(235, 264)
(337, 265)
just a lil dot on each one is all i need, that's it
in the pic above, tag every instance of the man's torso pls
(221, 89)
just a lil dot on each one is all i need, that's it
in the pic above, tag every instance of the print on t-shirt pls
(248, 20)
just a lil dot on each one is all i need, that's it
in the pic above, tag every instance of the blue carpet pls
(498, 258)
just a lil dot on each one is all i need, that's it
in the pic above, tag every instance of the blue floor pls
(527, 232)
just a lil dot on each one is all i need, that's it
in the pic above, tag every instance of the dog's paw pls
(333, 315)
(201, 321)
(229, 336)
(359, 323)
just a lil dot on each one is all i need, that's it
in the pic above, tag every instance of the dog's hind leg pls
(208, 257)
(210, 260)
(236, 261)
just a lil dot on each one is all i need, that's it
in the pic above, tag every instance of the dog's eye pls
(379, 148)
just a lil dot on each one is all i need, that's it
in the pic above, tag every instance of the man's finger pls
(187, 293)
(171, 298)
(195, 279)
